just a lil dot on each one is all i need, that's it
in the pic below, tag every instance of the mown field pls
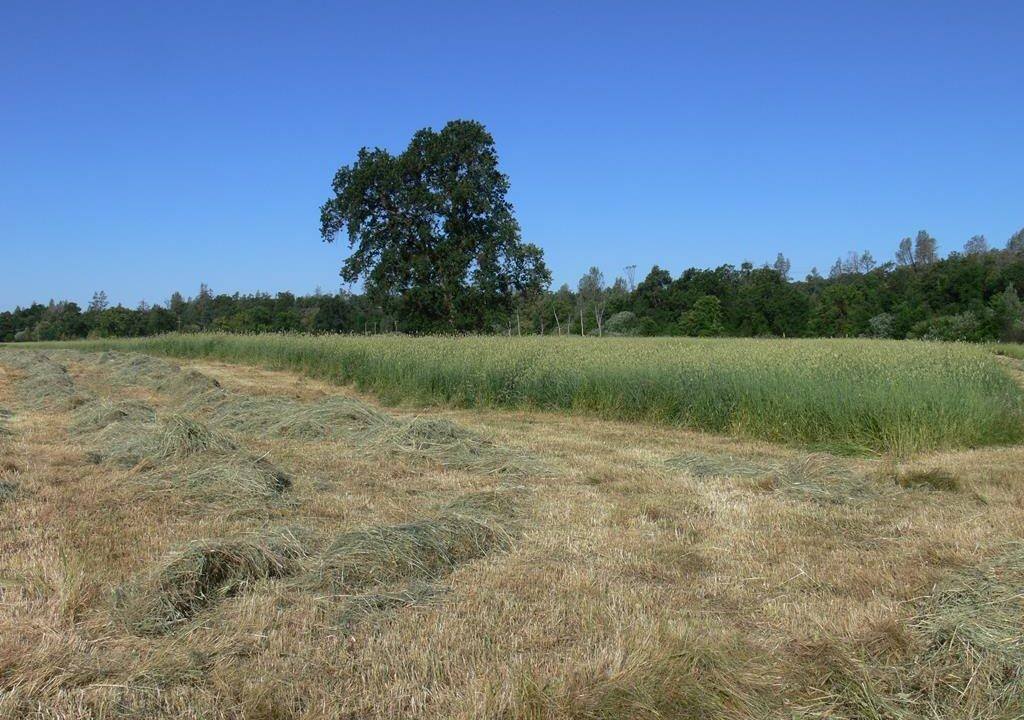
(844, 395)
(220, 540)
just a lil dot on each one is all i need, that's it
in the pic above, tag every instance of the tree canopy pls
(433, 236)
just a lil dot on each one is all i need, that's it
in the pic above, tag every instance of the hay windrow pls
(99, 414)
(46, 383)
(425, 439)
(8, 491)
(701, 465)
(972, 625)
(171, 438)
(233, 479)
(931, 479)
(205, 572)
(453, 447)
(202, 574)
(817, 477)
(284, 417)
(359, 608)
(190, 389)
(466, 529)
(961, 654)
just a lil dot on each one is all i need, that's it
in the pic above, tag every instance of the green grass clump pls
(870, 395)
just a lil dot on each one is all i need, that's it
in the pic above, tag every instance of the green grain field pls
(844, 395)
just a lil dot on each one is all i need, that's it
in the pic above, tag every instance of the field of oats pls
(243, 532)
(845, 395)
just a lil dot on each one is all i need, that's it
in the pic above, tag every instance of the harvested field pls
(207, 540)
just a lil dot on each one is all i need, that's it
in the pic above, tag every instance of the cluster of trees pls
(284, 312)
(437, 248)
(972, 295)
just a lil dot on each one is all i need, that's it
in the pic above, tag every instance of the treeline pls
(971, 295)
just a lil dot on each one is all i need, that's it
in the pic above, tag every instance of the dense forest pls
(972, 295)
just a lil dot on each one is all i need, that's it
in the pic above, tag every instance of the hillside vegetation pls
(853, 395)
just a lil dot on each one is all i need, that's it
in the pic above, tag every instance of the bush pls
(883, 326)
(622, 323)
(965, 327)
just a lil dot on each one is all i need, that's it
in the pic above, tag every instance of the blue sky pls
(147, 147)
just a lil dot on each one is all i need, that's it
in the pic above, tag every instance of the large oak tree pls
(433, 236)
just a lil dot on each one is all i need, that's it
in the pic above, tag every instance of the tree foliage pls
(433, 236)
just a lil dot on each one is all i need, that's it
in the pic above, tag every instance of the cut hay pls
(973, 626)
(684, 678)
(202, 574)
(708, 466)
(172, 438)
(818, 477)
(99, 414)
(191, 389)
(932, 479)
(235, 478)
(284, 417)
(465, 530)
(961, 655)
(46, 383)
(426, 439)
(359, 608)
(454, 448)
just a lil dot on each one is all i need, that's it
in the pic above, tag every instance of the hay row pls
(959, 655)
(205, 572)
(972, 625)
(8, 491)
(178, 452)
(817, 477)
(99, 414)
(467, 529)
(5, 415)
(46, 383)
(202, 574)
(423, 439)
(155, 373)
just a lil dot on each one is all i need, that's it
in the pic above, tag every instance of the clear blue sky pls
(146, 147)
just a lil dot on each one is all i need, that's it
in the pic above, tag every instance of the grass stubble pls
(656, 574)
